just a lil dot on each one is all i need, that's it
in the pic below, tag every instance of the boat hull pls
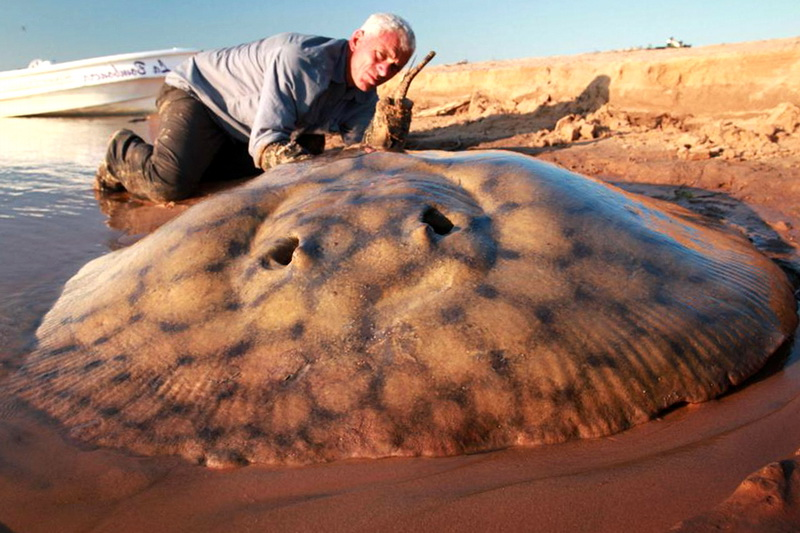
(113, 85)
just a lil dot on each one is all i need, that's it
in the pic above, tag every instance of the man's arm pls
(289, 79)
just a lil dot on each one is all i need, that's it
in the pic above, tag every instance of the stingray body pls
(395, 304)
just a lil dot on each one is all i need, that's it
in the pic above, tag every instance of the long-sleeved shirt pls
(264, 91)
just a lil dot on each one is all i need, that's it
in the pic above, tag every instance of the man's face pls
(374, 59)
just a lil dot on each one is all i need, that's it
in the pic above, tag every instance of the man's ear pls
(353, 42)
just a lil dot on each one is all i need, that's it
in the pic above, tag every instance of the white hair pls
(378, 23)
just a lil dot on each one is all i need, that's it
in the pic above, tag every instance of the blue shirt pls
(264, 91)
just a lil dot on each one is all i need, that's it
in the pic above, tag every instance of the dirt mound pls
(765, 502)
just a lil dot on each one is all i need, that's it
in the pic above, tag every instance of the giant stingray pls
(403, 304)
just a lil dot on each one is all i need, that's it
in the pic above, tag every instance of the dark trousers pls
(190, 147)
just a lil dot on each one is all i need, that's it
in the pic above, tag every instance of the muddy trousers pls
(190, 147)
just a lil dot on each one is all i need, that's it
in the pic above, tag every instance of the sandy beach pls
(715, 129)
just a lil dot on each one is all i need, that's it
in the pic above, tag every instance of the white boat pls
(123, 84)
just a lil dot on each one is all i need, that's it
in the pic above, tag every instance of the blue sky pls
(471, 30)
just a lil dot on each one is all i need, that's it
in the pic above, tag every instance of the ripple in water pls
(50, 223)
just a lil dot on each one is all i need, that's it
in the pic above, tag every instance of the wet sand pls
(646, 479)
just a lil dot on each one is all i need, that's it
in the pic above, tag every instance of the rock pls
(786, 117)
(449, 108)
(765, 502)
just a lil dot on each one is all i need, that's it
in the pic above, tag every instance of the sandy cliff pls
(745, 77)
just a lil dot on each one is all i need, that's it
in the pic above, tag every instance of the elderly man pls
(238, 111)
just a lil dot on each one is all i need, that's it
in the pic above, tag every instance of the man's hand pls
(278, 153)
(389, 127)
(392, 120)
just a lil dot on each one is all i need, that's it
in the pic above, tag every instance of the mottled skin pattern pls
(394, 304)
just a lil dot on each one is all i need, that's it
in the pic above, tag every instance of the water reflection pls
(50, 224)
(47, 165)
(52, 221)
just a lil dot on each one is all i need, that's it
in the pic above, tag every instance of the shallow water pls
(49, 221)
(646, 479)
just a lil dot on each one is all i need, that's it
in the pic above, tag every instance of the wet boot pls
(122, 162)
(105, 179)
(128, 167)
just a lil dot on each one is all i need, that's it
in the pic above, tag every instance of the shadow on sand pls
(502, 125)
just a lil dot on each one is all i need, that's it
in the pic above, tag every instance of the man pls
(238, 111)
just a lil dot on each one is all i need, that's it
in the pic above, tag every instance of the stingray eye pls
(280, 253)
(437, 221)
